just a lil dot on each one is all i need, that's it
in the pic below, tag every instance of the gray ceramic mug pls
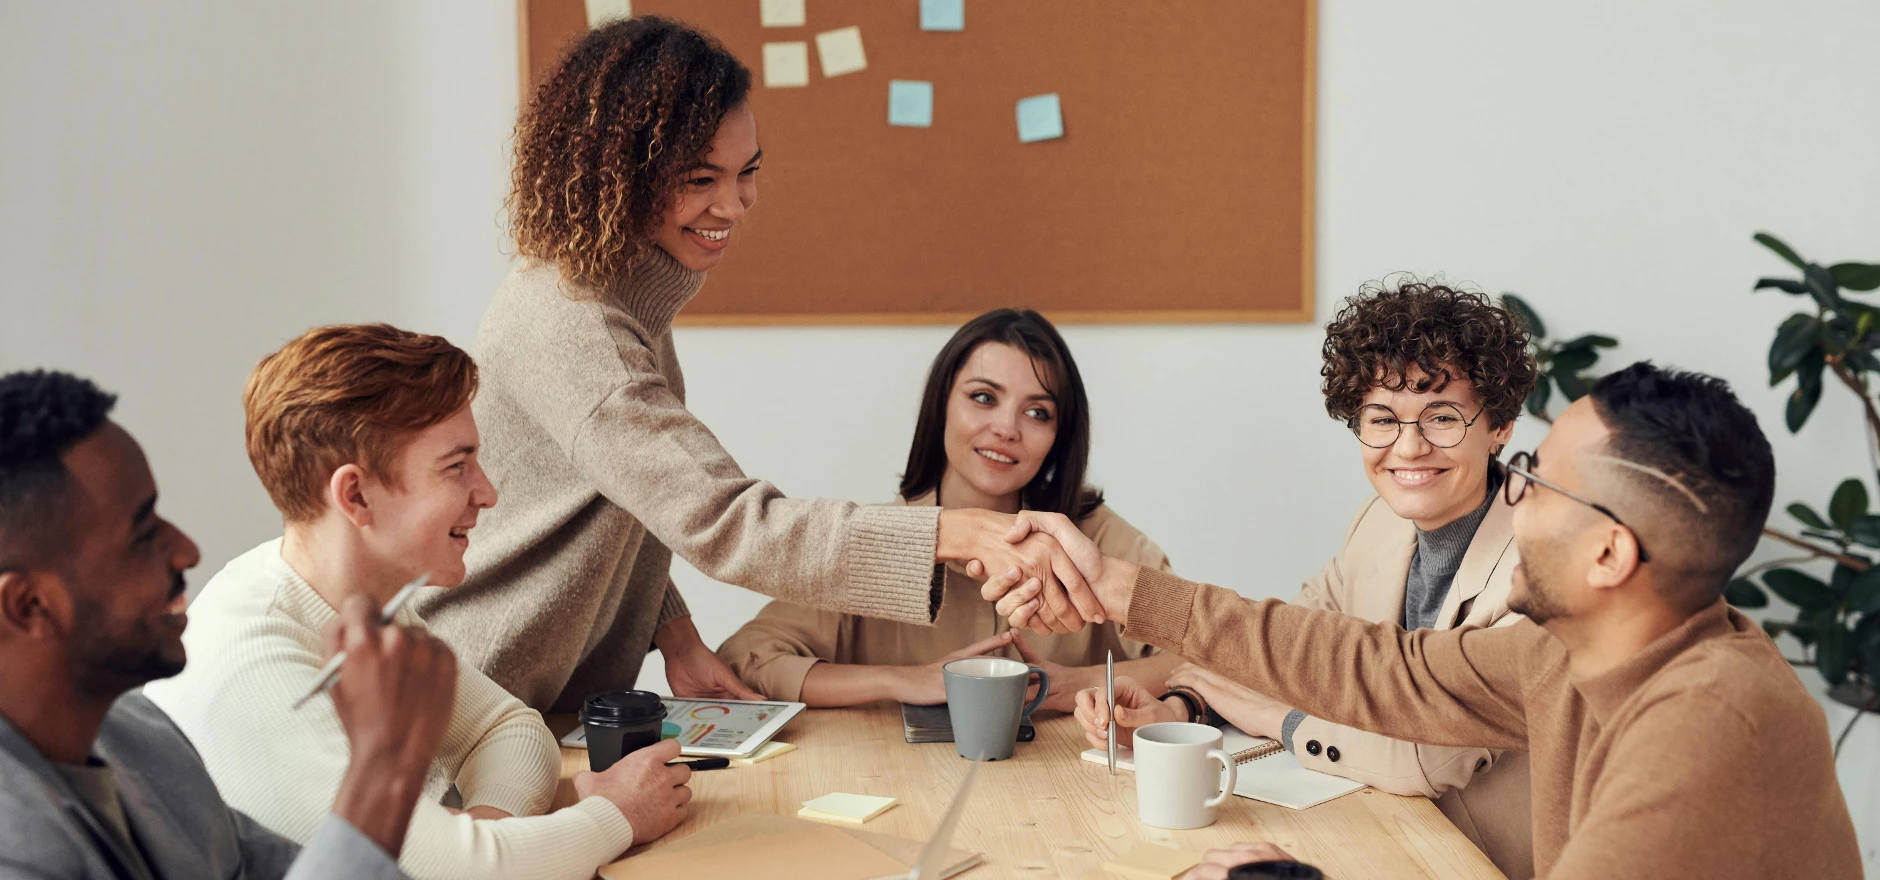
(986, 701)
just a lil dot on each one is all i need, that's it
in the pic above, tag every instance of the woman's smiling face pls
(1001, 422)
(713, 197)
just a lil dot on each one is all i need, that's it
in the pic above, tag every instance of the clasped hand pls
(1048, 576)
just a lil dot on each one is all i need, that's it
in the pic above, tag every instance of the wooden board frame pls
(544, 26)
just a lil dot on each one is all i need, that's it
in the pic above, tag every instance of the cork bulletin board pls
(1180, 191)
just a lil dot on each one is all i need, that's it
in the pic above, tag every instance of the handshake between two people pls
(1041, 571)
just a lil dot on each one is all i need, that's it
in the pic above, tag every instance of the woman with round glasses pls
(1430, 381)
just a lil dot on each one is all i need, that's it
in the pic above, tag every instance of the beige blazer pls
(775, 650)
(1483, 791)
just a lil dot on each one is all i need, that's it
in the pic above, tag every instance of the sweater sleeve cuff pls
(672, 607)
(782, 677)
(609, 822)
(1159, 609)
(890, 552)
(1286, 728)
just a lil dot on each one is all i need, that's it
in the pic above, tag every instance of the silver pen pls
(330, 672)
(1109, 688)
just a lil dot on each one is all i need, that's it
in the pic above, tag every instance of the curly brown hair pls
(1401, 322)
(606, 140)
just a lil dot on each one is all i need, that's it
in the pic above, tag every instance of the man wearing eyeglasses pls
(1668, 737)
(1432, 548)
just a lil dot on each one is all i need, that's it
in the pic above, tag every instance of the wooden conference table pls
(1045, 812)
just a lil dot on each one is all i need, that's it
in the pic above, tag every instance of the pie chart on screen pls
(707, 713)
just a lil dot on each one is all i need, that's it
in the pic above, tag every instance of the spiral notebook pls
(1264, 771)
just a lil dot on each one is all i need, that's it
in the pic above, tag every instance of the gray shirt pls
(157, 807)
(1433, 567)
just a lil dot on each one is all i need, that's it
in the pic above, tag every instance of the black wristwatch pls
(1197, 707)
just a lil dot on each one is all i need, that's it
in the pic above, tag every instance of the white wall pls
(186, 185)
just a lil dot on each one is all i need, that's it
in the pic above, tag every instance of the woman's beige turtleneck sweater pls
(602, 474)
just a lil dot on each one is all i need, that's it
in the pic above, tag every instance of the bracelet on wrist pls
(1197, 707)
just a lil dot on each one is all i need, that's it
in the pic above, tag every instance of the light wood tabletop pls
(1045, 812)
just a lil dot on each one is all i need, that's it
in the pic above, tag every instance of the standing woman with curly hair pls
(1430, 380)
(635, 160)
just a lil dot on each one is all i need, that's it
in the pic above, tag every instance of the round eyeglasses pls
(1441, 424)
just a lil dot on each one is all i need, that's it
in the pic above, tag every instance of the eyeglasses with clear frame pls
(1521, 468)
(1441, 424)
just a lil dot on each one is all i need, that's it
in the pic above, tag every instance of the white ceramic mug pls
(1177, 785)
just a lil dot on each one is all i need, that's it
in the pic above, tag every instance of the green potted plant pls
(1837, 621)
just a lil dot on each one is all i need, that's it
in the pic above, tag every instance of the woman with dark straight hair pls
(1004, 425)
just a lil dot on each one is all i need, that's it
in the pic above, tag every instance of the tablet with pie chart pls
(728, 728)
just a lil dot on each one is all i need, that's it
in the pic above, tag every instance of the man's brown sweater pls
(1702, 756)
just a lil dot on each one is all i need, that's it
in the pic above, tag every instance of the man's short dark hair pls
(1691, 429)
(42, 415)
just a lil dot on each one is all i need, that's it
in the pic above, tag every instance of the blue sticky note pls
(1039, 118)
(910, 102)
(943, 15)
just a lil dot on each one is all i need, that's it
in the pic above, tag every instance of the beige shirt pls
(775, 650)
(1701, 756)
(1483, 791)
(604, 475)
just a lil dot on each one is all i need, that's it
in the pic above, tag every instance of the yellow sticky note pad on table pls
(1149, 862)
(851, 808)
(768, 751)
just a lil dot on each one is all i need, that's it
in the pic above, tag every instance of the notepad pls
(770, 750)
(1150, 862)
(851, 808)
(1265, 772)
(942, 15)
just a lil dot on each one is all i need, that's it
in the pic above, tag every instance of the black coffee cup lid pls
(623, 707)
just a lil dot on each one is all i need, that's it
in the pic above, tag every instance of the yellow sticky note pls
(781, 13)
(841, 51)
(600, 12)
(1147, 862)
(766, 752)
(839, 807)
(786, 65)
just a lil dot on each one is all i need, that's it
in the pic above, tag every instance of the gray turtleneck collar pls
(1433, 567)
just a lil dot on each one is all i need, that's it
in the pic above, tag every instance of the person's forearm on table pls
(832, 685)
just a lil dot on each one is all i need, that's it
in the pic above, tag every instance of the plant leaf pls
(1743, 593)
(1526, 315)
(1782, 250)
(1573, 360)
(1807, 516)
(1797, 336)
(1865, 530)
(1849, 501)
(1856, 276)
(1571, 385)
(1537, 401)
(1804, 591)
(1864, 595)
(1821, 286)
(1783, 284)
(1802, 402)
(1590, 340)
(1774, 627)
(1831, 652)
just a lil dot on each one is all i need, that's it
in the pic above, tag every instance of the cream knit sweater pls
(254, 647)
(601, 468)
